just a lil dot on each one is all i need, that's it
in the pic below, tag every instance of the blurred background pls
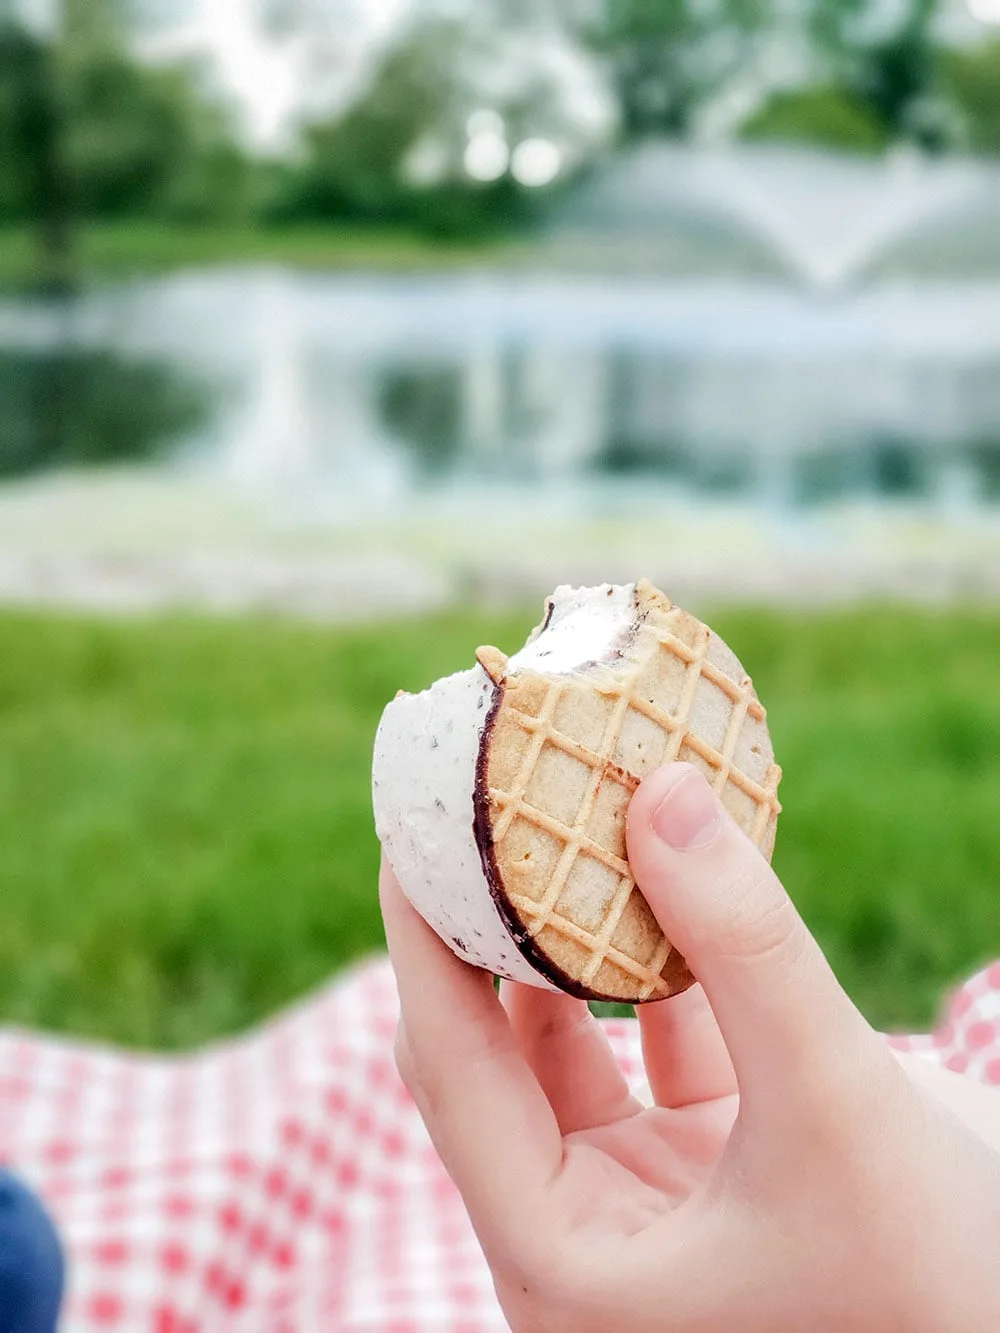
(334, 333)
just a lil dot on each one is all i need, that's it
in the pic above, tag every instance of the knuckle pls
(484, 1048)
(568, 1026)
(434, 1075)
(761, 925)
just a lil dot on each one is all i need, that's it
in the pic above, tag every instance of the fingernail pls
(689, 816)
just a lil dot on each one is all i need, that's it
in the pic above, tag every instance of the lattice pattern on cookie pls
(656, 704)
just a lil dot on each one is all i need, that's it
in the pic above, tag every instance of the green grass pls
(125, 249)
(186, 841)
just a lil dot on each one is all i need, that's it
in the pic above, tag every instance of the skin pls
(793, 1173)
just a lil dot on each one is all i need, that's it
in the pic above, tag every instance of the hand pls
(976, 1105)
(790, 1176)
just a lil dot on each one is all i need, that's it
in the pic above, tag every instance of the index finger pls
(684, 1052)
(484, 1109)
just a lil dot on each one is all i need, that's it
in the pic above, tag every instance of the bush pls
(825, 116)
(971, 79)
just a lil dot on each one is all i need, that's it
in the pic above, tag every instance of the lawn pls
(125, 249)
(186, 842)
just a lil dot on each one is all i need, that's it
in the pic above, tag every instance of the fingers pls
(571, 1058)
(685, 1056)
(779, 1007)
(484, 1109)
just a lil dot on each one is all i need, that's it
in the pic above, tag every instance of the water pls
(75, 407)
(352, 397)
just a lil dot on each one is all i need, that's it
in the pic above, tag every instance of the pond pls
(377, 395)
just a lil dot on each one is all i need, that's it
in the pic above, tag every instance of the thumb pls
(779, 1007)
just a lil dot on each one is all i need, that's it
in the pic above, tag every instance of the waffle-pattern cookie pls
(561, 755)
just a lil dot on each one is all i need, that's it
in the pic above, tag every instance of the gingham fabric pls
(284, 1181)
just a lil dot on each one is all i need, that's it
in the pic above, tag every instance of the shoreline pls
(111, 252)
(126, 544)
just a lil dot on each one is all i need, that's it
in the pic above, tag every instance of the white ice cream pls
(585, 626)
(424, 775)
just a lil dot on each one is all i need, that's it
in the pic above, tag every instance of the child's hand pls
(791, 1176)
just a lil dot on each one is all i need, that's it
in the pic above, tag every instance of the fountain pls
(826, 216)
(753, 432)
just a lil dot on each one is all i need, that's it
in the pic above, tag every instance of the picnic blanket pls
(283, 1181)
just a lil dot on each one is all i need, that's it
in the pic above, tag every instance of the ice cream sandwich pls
(500, 793)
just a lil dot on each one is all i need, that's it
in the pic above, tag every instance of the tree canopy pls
(88, 130)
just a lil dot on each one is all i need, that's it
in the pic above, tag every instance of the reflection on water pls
(78, 407)
(803, 434)
(371, 392)
(423, 407)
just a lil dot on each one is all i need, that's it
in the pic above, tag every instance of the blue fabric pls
(31, 1262)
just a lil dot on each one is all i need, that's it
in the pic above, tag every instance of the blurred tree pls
(34, 182)
(970, 79)
(884, 55)
(141, 138)
(671, 56)
(353, 163)
(359, 165)
(86, 130)
(405, 149)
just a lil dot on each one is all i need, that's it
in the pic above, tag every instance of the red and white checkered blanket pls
(284, 1181)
